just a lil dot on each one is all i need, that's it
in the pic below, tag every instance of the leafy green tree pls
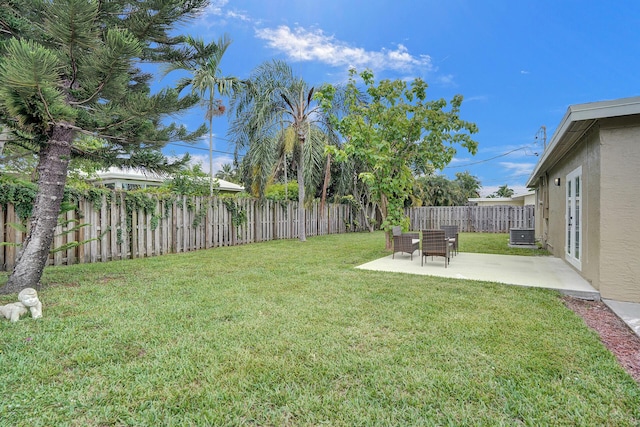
(436, 190)
(18, 162)
(203, 63)
(279, 192)
(274, 108)
(70, 68)
(393, 129)
(469, 186)
(190, 181)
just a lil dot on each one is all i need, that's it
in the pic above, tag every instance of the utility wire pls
(541, 135)
(199, 148)
(489, 159)
(501, 181)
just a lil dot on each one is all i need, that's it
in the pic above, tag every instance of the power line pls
(502, 180)
(541, 136)
(489, 159)
(200, 148)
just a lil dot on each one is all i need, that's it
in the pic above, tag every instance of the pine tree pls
(71, 69)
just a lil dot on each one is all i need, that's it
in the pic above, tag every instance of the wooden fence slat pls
(125, 234)
(58, 241)
(148, 235)
(489, 219)
(134, 235)
(94, 227)
(104, 228)
(11, 236)
(3, 222)
(113, 231)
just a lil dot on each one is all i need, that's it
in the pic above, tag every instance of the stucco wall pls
(499, 202)
(585, 154)
(530, 199)
(620, 208)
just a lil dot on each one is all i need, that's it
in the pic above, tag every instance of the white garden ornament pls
(27, 301)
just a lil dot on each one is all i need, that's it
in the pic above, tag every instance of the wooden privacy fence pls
(114, 231)
(482, 219)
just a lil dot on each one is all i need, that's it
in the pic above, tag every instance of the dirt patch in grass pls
(614, 333)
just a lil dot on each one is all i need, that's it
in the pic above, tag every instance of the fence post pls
(3, 221)
(12, 236)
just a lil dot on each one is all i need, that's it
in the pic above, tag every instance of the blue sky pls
(518, 64)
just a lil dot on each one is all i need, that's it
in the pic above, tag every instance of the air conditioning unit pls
(522, 236)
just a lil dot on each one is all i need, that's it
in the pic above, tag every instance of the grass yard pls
(494, 243)
(287, 333)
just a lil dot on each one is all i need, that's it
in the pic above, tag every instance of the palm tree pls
(203, 64)
(228, 173)
(503, 191)
(274, 109)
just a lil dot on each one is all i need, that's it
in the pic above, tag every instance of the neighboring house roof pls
(576, 122)
(136, 175)
(114, 173)
(498, 200)
(228, 186)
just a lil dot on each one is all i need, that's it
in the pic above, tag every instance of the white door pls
(574, 218)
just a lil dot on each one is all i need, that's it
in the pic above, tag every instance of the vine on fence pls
(238, 214)
(20, 194)
(139, 201)
(199, 216)
(68, 226)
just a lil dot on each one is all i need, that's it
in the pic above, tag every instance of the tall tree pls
(203, 63)
(469, 186)
(68, 68)
(436, 190)
(273, 105)
(394, 130)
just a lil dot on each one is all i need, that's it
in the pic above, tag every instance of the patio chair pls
(405, 242)
(451, 233)
(434, 243)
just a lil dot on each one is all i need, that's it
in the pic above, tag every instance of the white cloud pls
(517, 189)
(216, 6)
(217, 14)
(446, 80)
(482, 98)
(301, 44)
(517, 169)
(238, 15)
(203, 161)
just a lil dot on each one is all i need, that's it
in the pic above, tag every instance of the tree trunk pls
(302, 225)
(52, 175)
(383, 213)
(325, 184)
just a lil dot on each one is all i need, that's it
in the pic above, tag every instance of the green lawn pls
(289, 333)
(493, 243)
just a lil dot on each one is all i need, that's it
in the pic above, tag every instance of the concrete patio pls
(529, 271)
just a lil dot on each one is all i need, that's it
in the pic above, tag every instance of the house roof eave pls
(576, 122)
